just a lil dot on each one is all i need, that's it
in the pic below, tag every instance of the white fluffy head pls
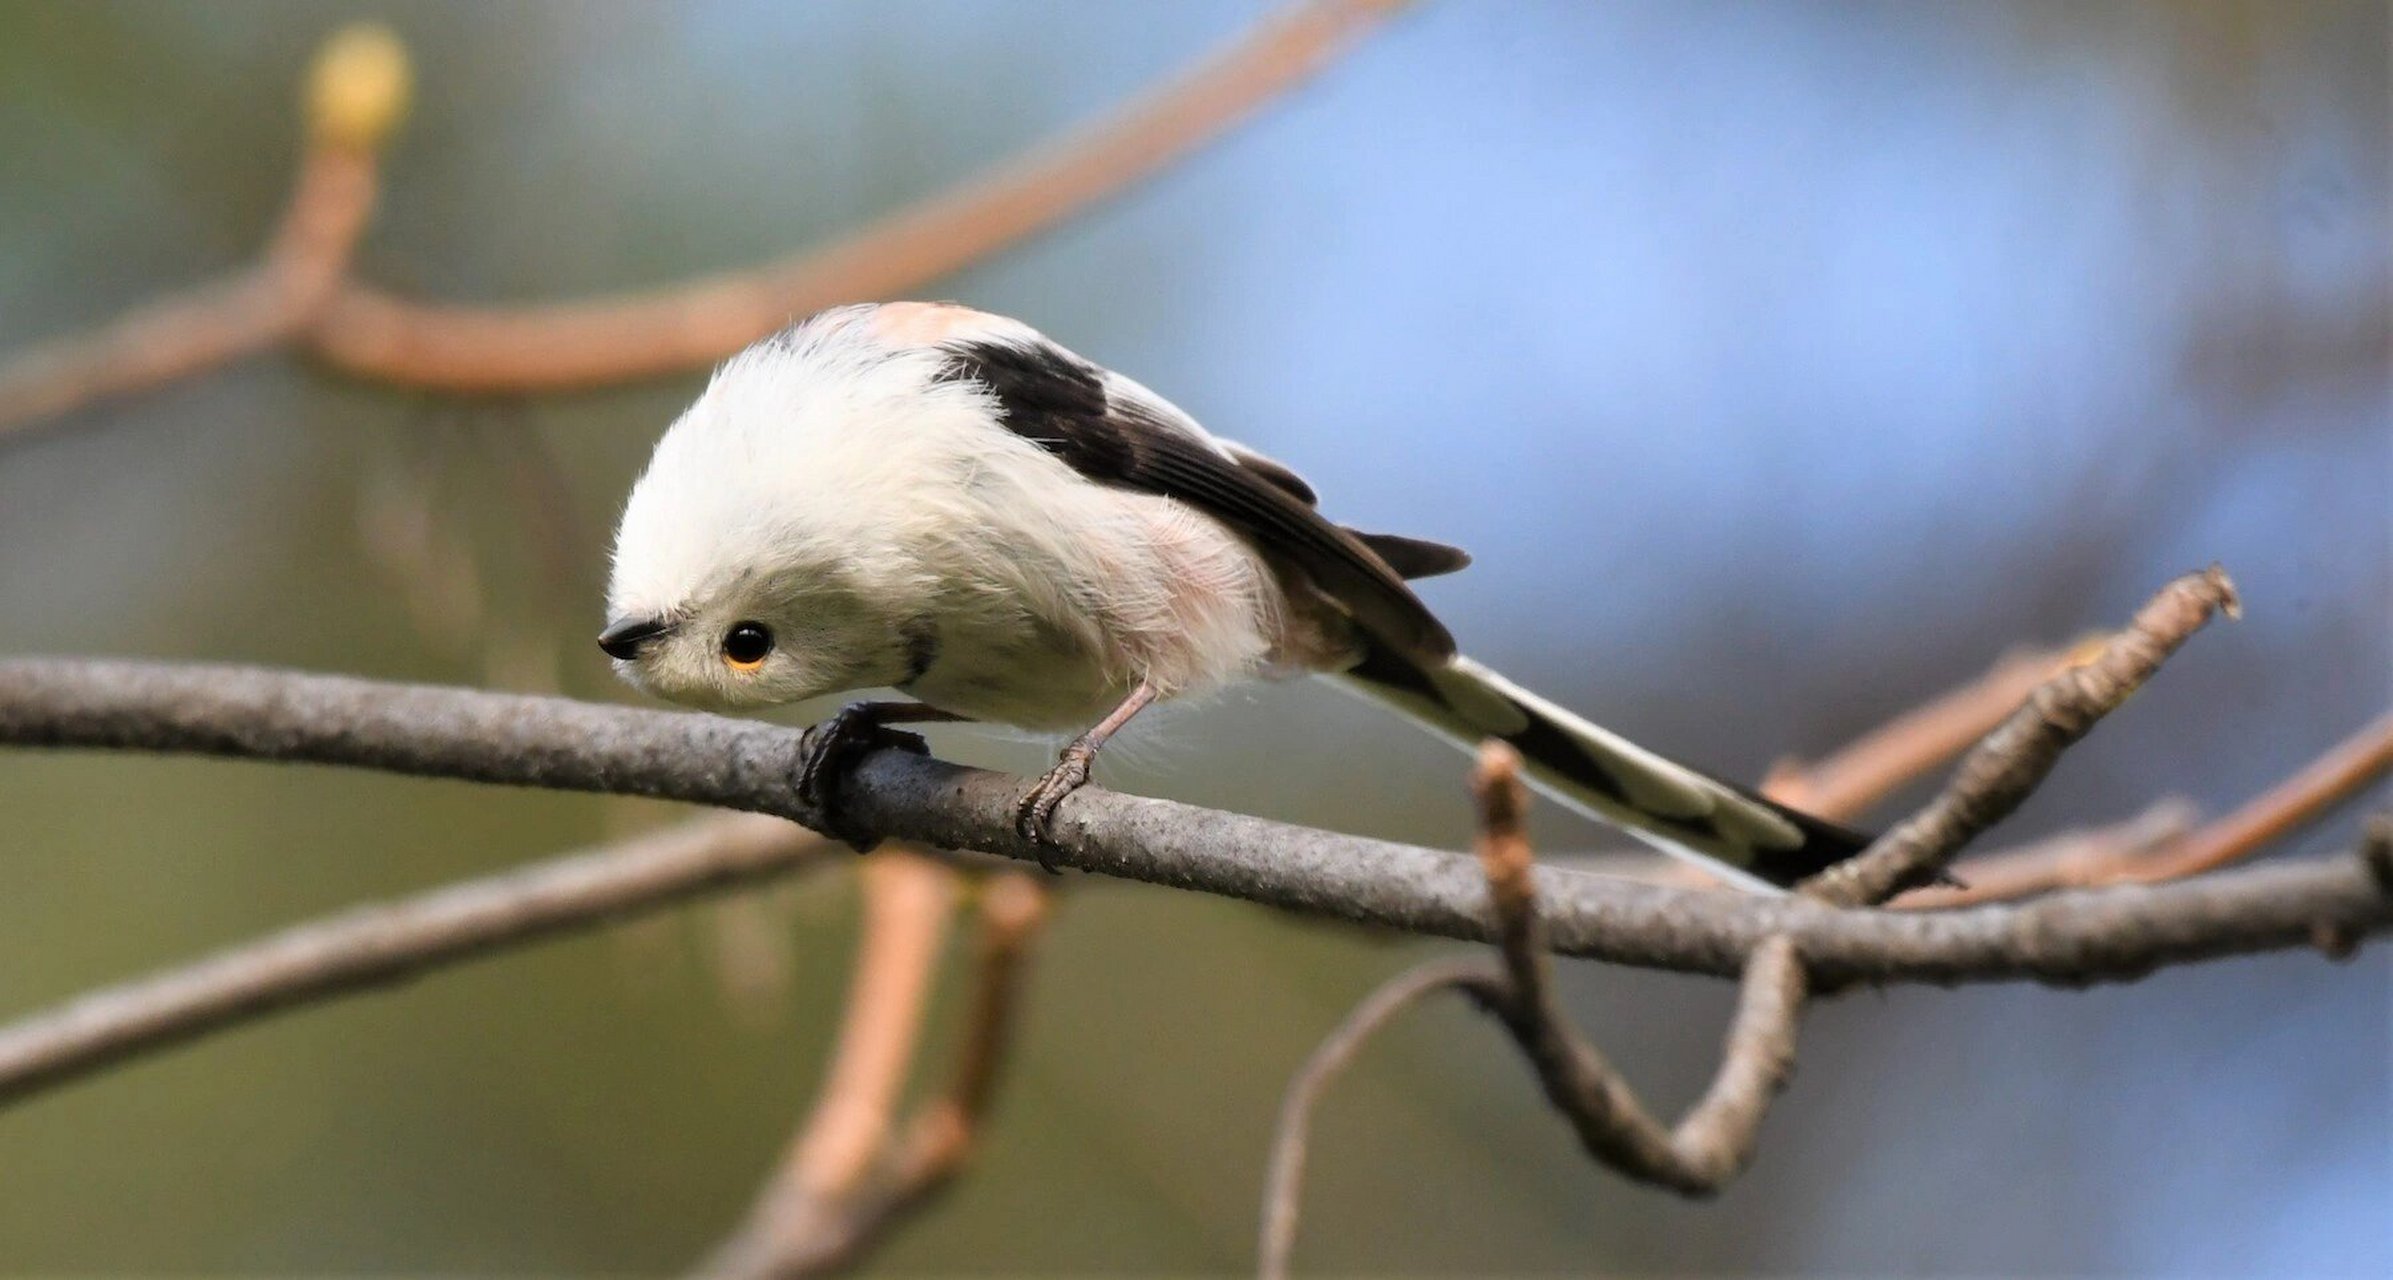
(787, 496)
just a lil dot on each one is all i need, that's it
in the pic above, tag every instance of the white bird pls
(925, 497)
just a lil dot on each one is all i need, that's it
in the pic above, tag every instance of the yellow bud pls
(357, 91)
(2086, 648)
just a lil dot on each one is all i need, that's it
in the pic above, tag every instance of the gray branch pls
(2071, 938)
(376, 946)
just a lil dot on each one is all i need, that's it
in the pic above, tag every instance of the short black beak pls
(624, 636)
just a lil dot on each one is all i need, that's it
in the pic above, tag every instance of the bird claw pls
(1034, 817)
(829, 750)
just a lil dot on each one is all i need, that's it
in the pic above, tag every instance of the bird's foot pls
(830, 749)
(1034, 817)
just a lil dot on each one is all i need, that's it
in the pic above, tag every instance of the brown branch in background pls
(908, 901)
(2349, 766)
(2008, 765)
(1843, 786)
(2163, 843)
(1703, 1153)
(298, 290)
(688, 326)
(2070, 859)
(377, 946)
(356, 95)
(803, 1224)
(942, 1137)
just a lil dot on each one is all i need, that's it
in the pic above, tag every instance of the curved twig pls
(1283, 1179)
(1713, 1143)
(1696, 1157)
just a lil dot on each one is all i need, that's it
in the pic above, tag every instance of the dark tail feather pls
(1414, 557)
(1676, 808)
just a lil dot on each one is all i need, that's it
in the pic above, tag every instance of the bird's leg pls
(1070, 773)
(830, 748)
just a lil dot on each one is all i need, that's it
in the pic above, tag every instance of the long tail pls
(1596, 772)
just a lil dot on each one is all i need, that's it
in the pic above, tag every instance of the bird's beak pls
(624, 636)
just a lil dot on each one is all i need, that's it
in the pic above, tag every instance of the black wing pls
(1114, 432)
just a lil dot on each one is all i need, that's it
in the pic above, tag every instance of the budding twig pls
(1842, 786)
(357, 94)
(300, 292)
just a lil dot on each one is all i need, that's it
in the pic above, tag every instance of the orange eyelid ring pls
(746, 646)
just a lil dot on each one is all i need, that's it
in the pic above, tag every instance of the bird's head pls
(760, 560)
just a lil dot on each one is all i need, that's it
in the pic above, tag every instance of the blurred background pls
(1781, 363)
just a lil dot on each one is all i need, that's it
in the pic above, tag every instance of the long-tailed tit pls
(933, 499)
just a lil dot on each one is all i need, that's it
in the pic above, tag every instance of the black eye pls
(747, 645)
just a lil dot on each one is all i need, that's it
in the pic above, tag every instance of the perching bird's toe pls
(1034, 817)
(829, 750)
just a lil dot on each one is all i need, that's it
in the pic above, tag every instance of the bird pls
(946, 503)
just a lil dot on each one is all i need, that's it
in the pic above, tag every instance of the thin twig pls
(1865, 771)
(2163, 844)
(908, 901)
(1716, 1139)
(1702, 1154)
(2329, 780)
(941, 1138)
(781, 1239)
(2074, 859)
(1283, 1183)
(373, 947)
(1844, 785)
(2070, 859)
(357, 92)
(2004, 768)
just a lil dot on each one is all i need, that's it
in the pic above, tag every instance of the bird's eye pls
(747, 645)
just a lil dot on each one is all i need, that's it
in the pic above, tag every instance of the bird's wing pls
(1115, 432)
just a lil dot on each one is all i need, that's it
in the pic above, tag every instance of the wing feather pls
(1114, 431)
